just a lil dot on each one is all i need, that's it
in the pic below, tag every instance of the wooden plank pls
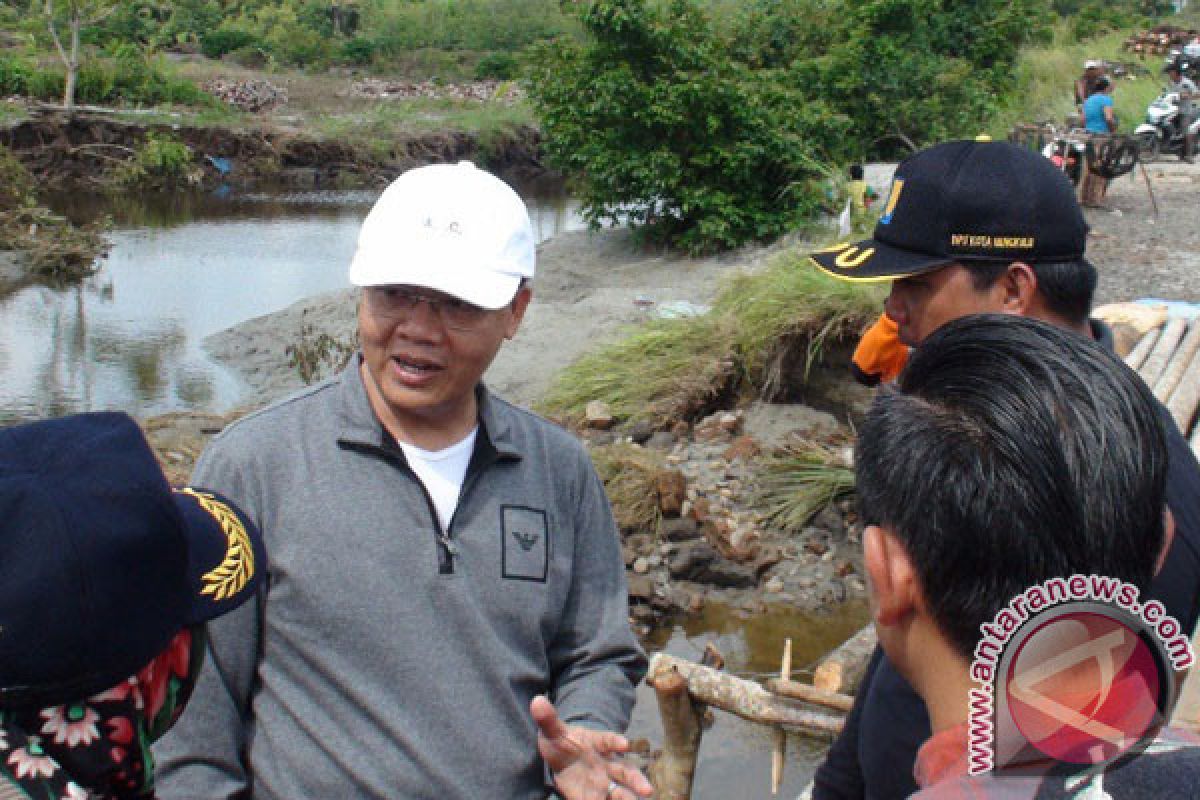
(1186, 398)
(1156, 362)
(1137, 356)
(1178, 364)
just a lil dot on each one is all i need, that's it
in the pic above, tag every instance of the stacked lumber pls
(1168, 359)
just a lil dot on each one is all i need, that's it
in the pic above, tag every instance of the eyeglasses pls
(399, 302)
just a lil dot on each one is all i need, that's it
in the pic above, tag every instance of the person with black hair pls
(981, 227)
(1011, 453)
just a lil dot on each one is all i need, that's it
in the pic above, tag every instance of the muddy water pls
(182, 267)
(735, 756)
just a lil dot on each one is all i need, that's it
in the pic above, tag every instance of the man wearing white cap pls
(446, 614)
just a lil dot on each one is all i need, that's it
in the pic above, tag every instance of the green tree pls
(75, 15)
(670, 135)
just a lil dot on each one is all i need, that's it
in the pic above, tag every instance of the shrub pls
(499, 66)
(673, 137)
(16, 184)
(14, 76)
(359, 50)
(162, 160)
(225, 40)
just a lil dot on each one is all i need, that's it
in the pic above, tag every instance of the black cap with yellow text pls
(966, 201)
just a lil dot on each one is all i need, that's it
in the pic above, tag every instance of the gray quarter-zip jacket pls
(388, 658)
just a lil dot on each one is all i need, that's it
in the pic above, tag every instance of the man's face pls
(425, 370)
(920, 304)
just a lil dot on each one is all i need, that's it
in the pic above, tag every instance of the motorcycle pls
(1163, 131)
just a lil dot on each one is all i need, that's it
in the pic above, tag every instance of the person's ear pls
(1168, 537)
(516, 309)
(895, 589)
(1018, 289)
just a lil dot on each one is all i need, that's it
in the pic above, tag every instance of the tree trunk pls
(746, 699)
(810, 694)
(842, 669)
(72, 64)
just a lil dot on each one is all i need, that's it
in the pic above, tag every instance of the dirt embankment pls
(83, 150)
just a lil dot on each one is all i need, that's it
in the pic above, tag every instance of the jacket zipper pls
(447, 549)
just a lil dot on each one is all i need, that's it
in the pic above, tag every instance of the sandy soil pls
(1140, 254)
(588, 287)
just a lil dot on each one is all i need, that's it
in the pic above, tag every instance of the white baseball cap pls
(1092, 63)
(448, 227)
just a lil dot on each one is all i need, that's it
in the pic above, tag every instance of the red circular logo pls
(1084, 688)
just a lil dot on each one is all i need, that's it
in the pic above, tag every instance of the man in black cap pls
(976, 227)
(107, 577)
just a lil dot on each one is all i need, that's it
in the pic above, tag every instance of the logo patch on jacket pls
(526, 543)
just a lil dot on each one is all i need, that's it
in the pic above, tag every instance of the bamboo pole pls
(1137, 356)
(810, 694)
(785, 674)
(744, 698)
(1178, 364)
(672, 774)
(842, 669)
(1186, 398)
(1156, 362)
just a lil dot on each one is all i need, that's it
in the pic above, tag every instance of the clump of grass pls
(673, 369)
(630, 477)
(796, 485)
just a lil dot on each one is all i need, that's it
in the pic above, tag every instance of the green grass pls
(795, 486)
(377, 129)
(671, 369)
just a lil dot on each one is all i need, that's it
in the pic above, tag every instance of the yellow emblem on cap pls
(237, 568)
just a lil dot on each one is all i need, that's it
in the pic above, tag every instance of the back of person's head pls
(1011, 452)
(1067, 288)
(1101, 84)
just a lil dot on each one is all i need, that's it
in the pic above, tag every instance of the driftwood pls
(843, 669)
(810, 694)
(744, 698)
(673, 772)
(1156, 362)
(1186, 397)
(1138, 355)
(1180, 360)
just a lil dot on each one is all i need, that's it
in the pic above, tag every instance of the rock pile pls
(712, 541)
(378, 89)
(247, 95)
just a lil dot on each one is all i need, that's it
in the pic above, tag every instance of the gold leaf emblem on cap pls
(237, 568)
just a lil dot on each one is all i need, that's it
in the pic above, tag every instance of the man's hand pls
(583, 761)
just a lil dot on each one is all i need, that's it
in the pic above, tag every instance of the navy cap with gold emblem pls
(964, 201)
(101, 561)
